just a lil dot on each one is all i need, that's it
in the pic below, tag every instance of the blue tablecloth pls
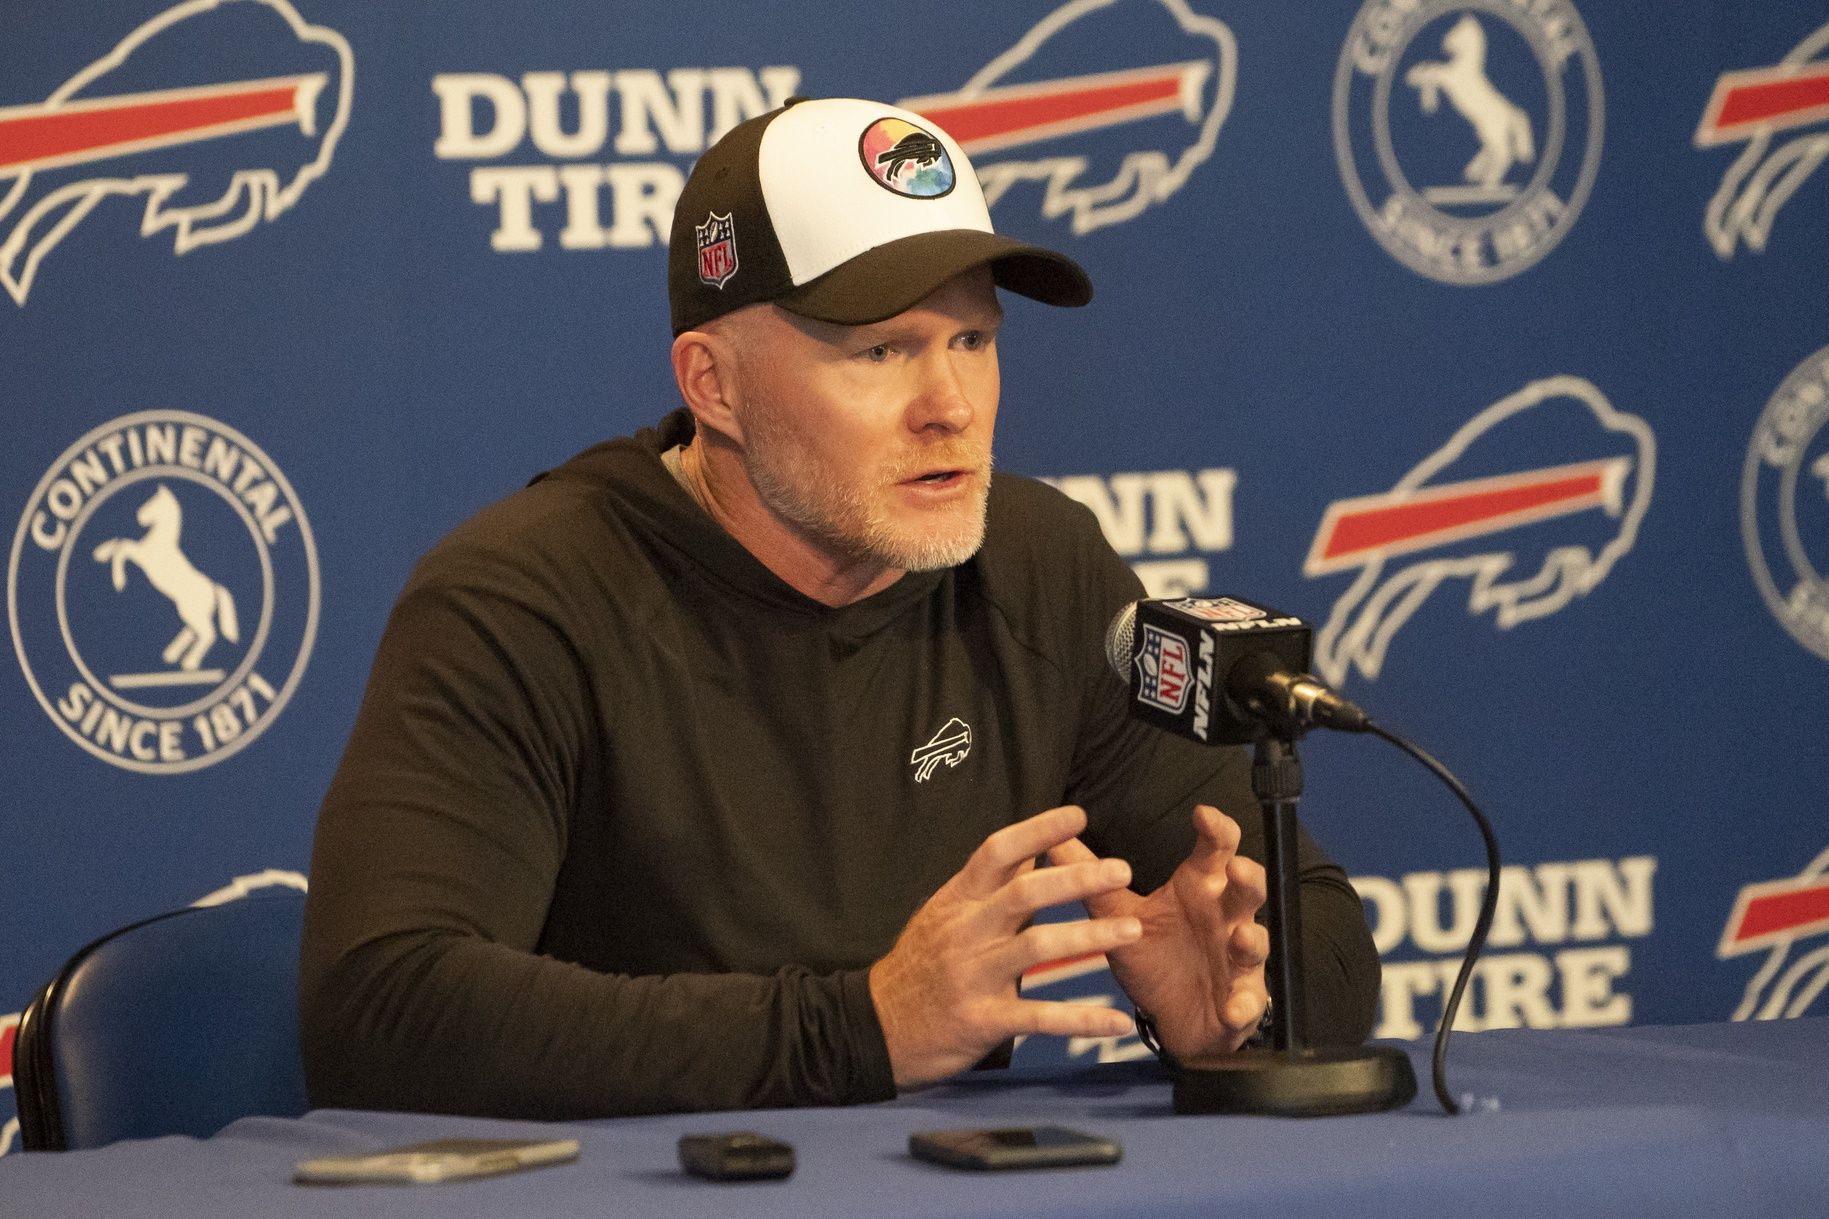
(1704, 1120)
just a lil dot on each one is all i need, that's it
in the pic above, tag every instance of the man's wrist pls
(1148, 1034)
(1260, 1036)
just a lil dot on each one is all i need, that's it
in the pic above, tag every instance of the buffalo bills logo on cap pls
(717, 239)
(905, 159)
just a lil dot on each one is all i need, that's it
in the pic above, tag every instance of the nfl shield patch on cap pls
(717, 244)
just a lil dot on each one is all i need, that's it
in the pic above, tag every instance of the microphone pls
(1219, 670)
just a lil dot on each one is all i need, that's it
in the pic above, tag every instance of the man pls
(712, 769)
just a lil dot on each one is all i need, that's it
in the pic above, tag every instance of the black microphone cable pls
(1488, 906)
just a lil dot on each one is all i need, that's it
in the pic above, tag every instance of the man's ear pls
(705, 367)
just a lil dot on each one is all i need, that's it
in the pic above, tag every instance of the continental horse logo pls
(163, 592)
(1482, 199)
(1504, 130)
(202, 604)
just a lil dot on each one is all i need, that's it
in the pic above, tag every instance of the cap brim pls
(896, 276)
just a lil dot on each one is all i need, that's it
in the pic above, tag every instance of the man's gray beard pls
(839, 518)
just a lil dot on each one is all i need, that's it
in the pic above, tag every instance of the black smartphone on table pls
(1013, 1147)
(740, 1155)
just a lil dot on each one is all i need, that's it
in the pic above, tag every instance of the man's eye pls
(974, 340)
(877, 354)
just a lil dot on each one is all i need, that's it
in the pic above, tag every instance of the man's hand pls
(1198, 968)
(946, 993)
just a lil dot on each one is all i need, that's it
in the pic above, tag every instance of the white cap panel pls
(814, 150)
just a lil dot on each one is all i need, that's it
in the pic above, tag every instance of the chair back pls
(175, 1025)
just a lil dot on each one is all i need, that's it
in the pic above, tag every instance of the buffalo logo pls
(1781, 918)
(949, 745)
(1753, 106)
(1481, 188)
(1164, 671)
(1573, 520)
(717, 239)
(1169, 112)
(1784, 504)
(902, 158)
(906, 159)
(163, 592)
(143, 110)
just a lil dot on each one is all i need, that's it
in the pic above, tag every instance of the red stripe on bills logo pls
(74, 132)
(9, 1027)
(1005, 116)
(1759, 100)
(1775, 910)
(1061, 969)
(1358, 531)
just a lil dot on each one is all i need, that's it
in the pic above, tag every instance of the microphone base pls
(1297, 1083)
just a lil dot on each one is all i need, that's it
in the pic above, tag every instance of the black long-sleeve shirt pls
(625, 819)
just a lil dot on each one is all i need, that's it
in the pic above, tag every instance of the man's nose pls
(942, 400)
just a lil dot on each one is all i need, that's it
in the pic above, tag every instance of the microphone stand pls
(1289, 1078)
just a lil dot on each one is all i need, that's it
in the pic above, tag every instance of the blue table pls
(1705, 1120)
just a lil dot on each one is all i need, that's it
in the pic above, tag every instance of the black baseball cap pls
(846, 211)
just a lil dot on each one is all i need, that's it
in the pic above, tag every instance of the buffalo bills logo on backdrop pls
(218, 113)
(1103, 140)
(1528, 537)
(1468, 134)
(905, 159)
(1784, 504)
(254, 882)
(9, 1026)
(163, 592)
(1769, 110)
(717, 243)
(1788, 920)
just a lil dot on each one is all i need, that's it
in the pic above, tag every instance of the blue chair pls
(176, 1025)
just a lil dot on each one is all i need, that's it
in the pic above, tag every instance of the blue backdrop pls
(1490, 336)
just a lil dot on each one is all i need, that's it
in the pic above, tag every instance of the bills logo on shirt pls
(1164, 671)
(951, 745)
(717, 241)
(216, 114)
(1781, 114)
